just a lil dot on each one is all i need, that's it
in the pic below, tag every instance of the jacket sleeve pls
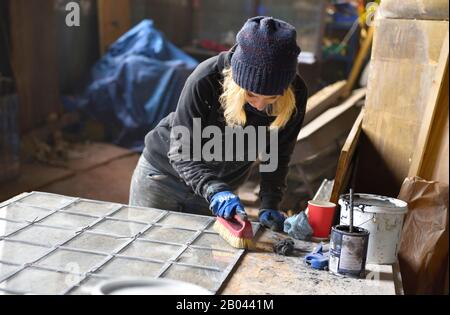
(193, 104)
(273, 184)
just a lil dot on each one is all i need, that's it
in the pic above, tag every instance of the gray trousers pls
(150, 188)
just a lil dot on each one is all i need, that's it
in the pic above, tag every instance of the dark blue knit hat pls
(265, 59)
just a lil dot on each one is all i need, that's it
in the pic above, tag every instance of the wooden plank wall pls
(405, 57)
(34, 60)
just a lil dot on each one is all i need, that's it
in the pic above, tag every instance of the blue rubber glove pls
(225, 204)
(272, 219)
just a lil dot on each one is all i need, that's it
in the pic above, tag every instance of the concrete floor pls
(108, 182)
(100, 171)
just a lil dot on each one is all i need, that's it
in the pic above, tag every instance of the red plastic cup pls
(320, 217)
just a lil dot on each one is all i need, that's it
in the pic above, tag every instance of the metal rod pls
(351, 210)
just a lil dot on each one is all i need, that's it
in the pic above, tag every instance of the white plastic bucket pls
(383, 218)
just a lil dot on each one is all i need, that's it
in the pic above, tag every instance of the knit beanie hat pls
(265, 59)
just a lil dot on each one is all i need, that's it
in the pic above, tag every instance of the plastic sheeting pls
(423, 252)
(135, 84)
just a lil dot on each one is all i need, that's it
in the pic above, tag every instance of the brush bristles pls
(231, 239)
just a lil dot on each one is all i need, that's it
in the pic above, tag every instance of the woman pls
(254, 85)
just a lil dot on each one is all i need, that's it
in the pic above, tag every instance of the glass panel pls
(100, 243)
(46, 201)
(207, 258)
(184, 221)
(18, 212)
(87, 286)
(207, 279)
(43, 235)
(121, 267)
(37, 281)
(214, 241)
(7, 227)
(121, 228)
(70, 261)
(68, 220)
(98, 209)
(150, 250)
(167, 234)
(18, 253)
(147, 215)
(6, 269)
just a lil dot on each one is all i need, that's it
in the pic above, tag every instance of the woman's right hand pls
(225, 204)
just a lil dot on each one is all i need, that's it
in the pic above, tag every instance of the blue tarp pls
(135, 84)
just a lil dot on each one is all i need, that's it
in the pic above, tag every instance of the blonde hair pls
(233, 101)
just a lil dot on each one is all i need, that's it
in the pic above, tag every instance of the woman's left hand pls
(272, 219)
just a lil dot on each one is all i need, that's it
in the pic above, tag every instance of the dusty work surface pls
(264, 272)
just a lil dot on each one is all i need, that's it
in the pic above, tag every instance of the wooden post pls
(114, 18)
(434, 119)
(345, 160)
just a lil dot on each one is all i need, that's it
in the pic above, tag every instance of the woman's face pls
(260, 102)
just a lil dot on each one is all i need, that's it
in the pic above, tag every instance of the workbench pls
(261, 271)
(54, 244)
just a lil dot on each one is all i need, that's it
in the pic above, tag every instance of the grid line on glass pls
(6, 275)
(5, 222)
(113, 255)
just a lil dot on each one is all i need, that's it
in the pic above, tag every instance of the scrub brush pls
(237, 231)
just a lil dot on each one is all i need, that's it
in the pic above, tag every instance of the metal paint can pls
(383, 217)
(348, 251)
